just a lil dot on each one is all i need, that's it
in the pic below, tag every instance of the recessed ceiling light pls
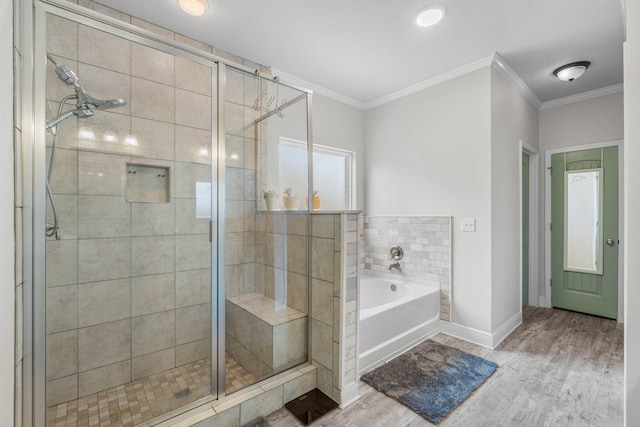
(194, 7)
(430, 15)
(570, 72)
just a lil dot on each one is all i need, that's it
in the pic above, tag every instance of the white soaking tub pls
(395, 314)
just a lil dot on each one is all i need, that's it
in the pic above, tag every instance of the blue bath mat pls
(432, 379)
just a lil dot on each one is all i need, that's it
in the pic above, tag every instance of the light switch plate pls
(468, 224)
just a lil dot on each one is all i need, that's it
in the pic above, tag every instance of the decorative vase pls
(289, 202)
(271, 203)
(316, 202)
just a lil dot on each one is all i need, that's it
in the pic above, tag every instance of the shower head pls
(87, 101)
(66, 75)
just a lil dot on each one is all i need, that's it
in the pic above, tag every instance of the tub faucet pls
(395, 265)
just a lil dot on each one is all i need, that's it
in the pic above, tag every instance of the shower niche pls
(147, 184)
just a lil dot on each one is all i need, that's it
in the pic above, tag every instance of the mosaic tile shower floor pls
(146, 398)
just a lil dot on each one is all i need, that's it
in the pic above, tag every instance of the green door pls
(590, 287)
(525, 229)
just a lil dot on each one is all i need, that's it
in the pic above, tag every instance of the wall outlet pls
(468, 224)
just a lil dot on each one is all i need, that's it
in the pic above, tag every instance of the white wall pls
(339, 125)
(429, 153)
(7, 281)
(586, 122)
(631, 240)
(513, 119)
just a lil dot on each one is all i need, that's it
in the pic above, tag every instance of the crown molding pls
(310, 87)
(583, 96)
(457, 72)
(504, 69)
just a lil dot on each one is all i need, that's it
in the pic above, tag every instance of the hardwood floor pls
(559, 368)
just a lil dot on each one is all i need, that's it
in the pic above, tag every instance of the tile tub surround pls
(426, 241)
(128, 285)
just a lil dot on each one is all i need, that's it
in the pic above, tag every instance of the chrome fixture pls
(395, 265)
(396, 253)
(570, 72)
(84, 109)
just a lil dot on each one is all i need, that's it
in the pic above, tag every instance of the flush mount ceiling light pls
(194, 7)
(570, 72)
(430, 15)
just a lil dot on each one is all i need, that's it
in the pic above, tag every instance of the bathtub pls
(395, 314)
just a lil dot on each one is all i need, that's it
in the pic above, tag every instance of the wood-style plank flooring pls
(559, 368)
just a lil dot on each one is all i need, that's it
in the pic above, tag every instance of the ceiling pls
(369, 49)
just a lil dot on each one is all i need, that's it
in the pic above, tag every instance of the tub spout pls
(395, 265)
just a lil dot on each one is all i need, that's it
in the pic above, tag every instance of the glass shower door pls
(128, 249)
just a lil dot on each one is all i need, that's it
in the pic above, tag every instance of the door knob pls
(611, 242)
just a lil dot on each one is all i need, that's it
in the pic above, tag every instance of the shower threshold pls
(144, 399)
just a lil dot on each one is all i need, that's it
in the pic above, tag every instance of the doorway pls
(583, 215)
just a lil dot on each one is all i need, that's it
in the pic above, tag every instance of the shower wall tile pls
(297, 295)
(193, 287)
(233, 119)
(297, 254)
(105, 132)
(153, 332)
(152, 64)
(321, 346)
(104, 344)
(104, 50)
(193, 252)
(190, 352)
(186, 220)
(67, 209)
(103, 216)
(322, 226)
(62, 390)
(187, 175)
(150, 100)
(192, 76)
(155, 139)
(234, 216)
(105, 84)
(62, 354)
(102, 302)
(95, 254)
(64, 179)
(234, 88)
(152, 219)
(193, 43)
(193, 323)
(193, 109)
(101, 174)
(152, 294)
(90, 4)
(249, 153)
(193, 145)
(104, 377)
(61, 262)
(62, 37)
(322, 301)
(152, 255)
(152, 27)
(235, 184)
(62, 308)
(153, 363)
(322, 259)
(234, 149)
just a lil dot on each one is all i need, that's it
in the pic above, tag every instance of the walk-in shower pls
(162, 282)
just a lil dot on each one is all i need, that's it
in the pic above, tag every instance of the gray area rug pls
(432, 379)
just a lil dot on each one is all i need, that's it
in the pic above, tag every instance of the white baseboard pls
(506, 328)
(544, 302)
(349, 395)
(474, 336)
(482, 338)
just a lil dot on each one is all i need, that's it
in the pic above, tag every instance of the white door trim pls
(534, 200)
(547, 217)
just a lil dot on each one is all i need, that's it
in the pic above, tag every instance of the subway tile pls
(104, 377)
(104, 344)
(153, 332)
(152, 255)
(103, 216)
(152, 64)
(152, 294)
(95, 254)
(104, 50)
(102, 302)
(151, 100)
